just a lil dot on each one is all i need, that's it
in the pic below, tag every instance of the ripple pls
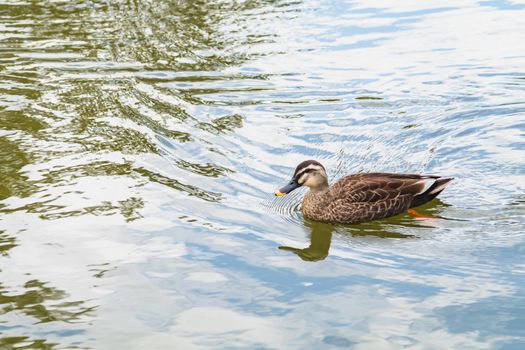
(287, 207)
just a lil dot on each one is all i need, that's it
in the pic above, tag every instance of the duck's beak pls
(288, 188)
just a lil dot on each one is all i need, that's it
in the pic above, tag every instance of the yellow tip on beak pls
(279, 193)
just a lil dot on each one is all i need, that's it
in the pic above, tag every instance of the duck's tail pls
(432, 192)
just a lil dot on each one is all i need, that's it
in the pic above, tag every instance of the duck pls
(360, 197)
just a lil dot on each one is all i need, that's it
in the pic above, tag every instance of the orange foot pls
(419, 215)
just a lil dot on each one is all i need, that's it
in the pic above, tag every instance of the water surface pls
(140, 142)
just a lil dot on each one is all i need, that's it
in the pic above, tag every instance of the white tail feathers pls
(427, 183)
(442, 183)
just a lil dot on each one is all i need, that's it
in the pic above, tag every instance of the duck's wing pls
(365, 197)
(374, 187)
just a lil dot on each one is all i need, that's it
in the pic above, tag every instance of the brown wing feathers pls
(379, 186)
(364, 197)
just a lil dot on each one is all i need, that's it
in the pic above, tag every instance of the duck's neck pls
(320, 188)
(315, 202)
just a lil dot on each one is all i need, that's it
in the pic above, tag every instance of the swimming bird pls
(361, 197)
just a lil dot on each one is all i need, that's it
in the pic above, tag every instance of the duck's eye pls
(302, 178)
(306, 171)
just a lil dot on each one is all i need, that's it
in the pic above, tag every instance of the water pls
(140, 142)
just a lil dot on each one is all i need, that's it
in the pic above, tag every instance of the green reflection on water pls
(39, 301)
(24, 342)
(320, 240)
(12, 159)
(7, 242)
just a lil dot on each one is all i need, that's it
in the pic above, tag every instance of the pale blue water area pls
(141, 141)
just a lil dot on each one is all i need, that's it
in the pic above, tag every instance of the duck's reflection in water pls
(320, 240)
(321, 233)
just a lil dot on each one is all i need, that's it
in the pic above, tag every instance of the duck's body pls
(361, 197)
(365, 197)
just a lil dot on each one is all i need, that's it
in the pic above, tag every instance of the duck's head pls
(309, 173)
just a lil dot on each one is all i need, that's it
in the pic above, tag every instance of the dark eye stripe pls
(302, 172)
